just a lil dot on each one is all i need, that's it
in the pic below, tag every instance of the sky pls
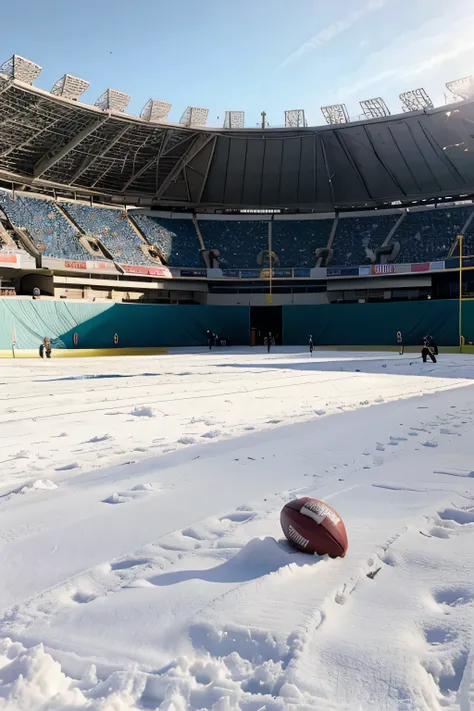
(250, 55)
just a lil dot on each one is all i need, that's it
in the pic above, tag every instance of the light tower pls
(155, 111)
(335, 113)
(374, 108)
(194, 116)
(70, 87)
(113, 100)
(20, 68)
(416, 100)
(234, 119)
(295, 118)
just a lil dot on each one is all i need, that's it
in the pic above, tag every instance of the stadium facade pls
(98, 204)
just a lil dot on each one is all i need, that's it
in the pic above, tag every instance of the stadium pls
(99, 208)
(262, 498)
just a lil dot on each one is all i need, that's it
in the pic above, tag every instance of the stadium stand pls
(177, 239)
(239, 241)
(50, 231)
(357, 238)
(113, 229)
(428, 235)
(295, 241)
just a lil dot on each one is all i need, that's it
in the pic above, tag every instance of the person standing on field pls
(400, 343)
(311, 345)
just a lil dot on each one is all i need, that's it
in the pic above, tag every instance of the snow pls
(141, 555)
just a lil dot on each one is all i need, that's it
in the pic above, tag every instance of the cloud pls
(441, 44)
(363, 43)
(333, 30)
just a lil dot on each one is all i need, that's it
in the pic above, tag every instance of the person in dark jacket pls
(210, 338)
(401, 345)
(269, 340)
(311, 345)
(45, 348)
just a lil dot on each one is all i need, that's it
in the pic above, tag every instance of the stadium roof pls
(50, 142)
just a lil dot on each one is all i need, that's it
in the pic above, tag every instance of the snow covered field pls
(142, 564)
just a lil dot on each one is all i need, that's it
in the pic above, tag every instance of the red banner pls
(8, 258)
(85, 265)
(162, 272)
(420, 267)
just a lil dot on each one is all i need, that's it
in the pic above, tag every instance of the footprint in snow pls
(430, 443)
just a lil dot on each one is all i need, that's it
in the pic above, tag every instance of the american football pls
(312, 526)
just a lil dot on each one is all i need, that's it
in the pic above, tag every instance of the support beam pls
(47, 162)
(200, 142)
(148, 164)
(208, 167)
(90, 160)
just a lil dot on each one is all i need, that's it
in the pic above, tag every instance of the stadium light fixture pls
(234, 119)
(20, 68)
(194, 116)
(113, 100)
(416, 100)
(335, 113)
(70, 87)
(295, 118)
(462, 88)
(155, 111)
(374, 108)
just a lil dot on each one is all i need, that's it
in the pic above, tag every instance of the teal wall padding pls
(150, 325)
(137, 325)
(377, 324)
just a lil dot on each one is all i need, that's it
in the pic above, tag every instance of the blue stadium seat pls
(113, 229)
(427, 236)
(177, 239)
(295, 241)
(238, 241)
(52, 233)
(357, 237)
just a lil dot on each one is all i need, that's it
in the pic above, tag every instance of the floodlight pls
(336, 113)
(70, 87)
(234, 119)
(194, 116)
(20, 68)
(113, 100)
(155, 111)
(416, 100)
(294, 118)
(374, 108)
(462, 88)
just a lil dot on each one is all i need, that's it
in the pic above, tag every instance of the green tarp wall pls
(143, 325)
(377, 324)
(137, 325)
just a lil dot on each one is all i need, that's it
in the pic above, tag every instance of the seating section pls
(427, 236)
(52, 233)
(114, 230)
(238, 241)
(357, 238)
(177, 239)
(295, 241)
